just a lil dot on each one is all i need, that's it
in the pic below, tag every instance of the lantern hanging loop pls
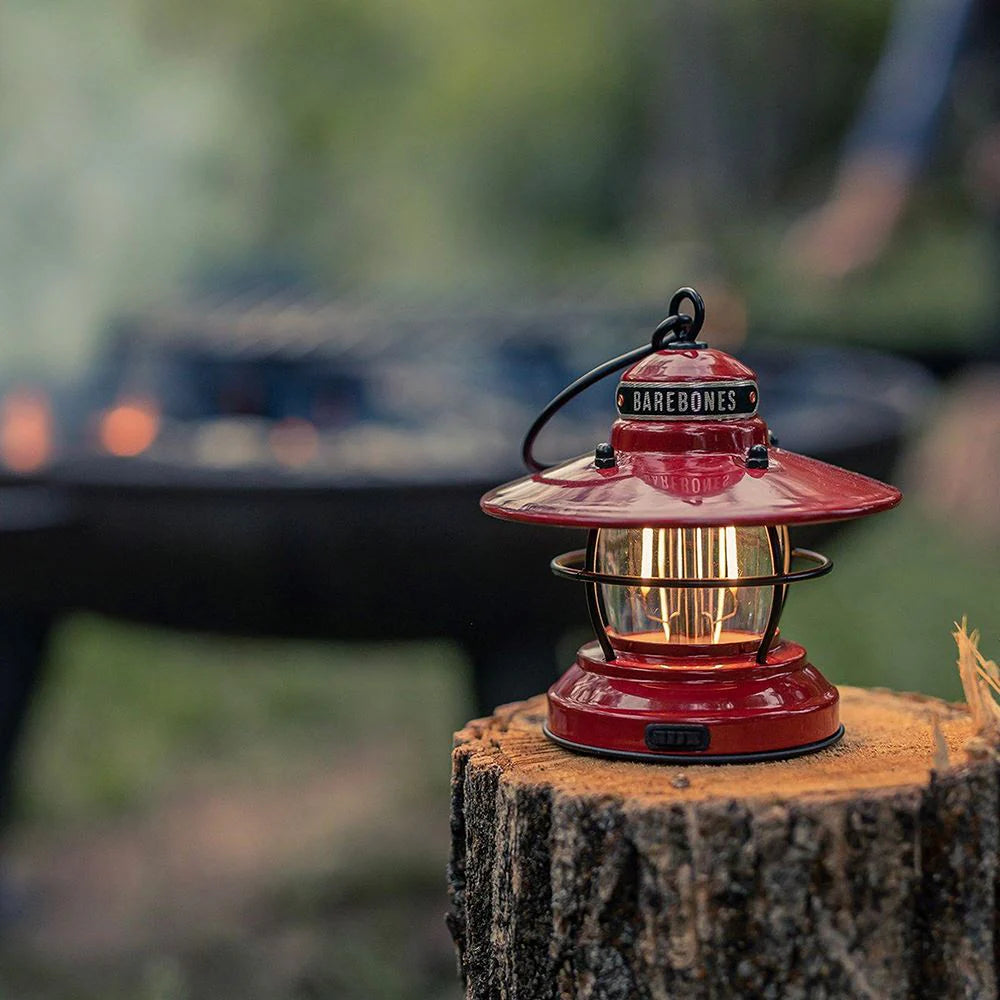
(685, 335)
(677, 331)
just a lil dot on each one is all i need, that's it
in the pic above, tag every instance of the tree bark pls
(868, 870)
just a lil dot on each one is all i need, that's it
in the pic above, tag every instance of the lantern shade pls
(675, 490)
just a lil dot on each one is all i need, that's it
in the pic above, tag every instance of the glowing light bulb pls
(649, 615)
(646, 570)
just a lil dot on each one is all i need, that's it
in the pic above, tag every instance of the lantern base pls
(708, 758)
(694, 710)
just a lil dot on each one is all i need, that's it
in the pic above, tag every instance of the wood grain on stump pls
(868, 870)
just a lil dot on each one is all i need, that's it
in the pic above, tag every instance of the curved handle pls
(678, 330)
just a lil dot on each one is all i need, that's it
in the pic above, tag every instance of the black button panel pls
(660, 736)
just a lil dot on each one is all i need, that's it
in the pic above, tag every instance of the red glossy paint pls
(734, 437)
(706, 365)
(659, 490)
(747, 708)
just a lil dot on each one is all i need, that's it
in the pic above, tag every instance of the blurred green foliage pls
(134, 719)
(884, 617)
(436, 144)
(128, 711)
(424, 148)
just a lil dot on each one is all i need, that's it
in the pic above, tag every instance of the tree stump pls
(868, 870)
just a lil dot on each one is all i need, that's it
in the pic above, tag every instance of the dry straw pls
(980, 681)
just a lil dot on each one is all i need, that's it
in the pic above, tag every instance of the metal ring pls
(572, 566)
(699, 309)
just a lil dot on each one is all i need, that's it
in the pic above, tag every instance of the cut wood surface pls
(868, 870)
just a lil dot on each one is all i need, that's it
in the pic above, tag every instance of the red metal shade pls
(659, 491)
(686, 427)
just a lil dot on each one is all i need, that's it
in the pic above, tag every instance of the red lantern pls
(688, 563)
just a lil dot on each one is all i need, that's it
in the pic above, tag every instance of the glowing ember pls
(130, 427)
(25, 430)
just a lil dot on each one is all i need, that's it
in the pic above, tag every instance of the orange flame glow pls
(26, 432)
(130, 427)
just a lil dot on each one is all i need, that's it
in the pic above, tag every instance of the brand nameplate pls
(687, 401)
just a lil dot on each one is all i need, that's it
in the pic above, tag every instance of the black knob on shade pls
(757, 457)
(604, 456)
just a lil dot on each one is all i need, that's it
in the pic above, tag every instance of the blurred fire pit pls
(294, 468)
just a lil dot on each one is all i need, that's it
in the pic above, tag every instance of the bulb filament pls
(698, 613)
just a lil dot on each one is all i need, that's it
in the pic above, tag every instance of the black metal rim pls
(788, 753)
(573, 566)
(780, 556)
